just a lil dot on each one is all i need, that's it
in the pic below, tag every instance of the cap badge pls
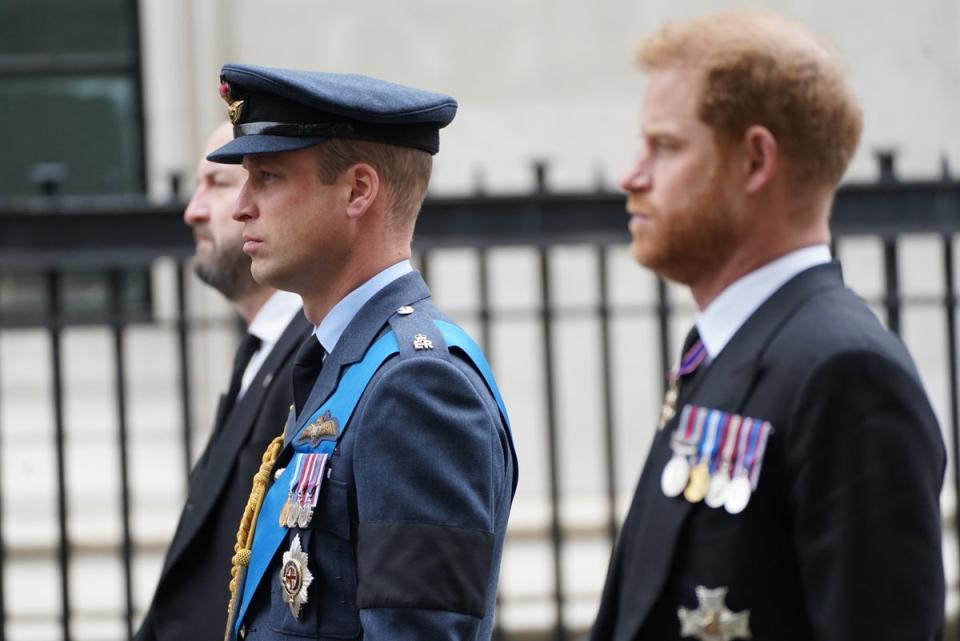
(295, 577)
(713, 620)
(234, 107)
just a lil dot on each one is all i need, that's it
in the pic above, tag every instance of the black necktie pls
(306, 369)
(248, 347)
(691, 356)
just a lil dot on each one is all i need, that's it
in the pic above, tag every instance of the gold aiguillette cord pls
(241, 549)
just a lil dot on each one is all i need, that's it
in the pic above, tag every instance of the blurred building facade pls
(117, 97)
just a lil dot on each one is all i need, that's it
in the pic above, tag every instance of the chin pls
(261, 273)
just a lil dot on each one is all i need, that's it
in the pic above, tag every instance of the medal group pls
(716, 459)
(302, 494)
(304, 490)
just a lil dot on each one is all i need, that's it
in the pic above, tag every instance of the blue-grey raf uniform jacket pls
(406, 539)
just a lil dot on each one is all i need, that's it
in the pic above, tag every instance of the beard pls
(693, 238)
(226, 268)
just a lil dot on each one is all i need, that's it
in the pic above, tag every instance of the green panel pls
(87, 124)
(67, 26)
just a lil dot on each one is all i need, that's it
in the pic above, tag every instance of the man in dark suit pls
(192, 590)
(792, 490)
(386, 504)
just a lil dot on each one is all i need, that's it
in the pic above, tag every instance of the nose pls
(198, 210)
(638, 176)
(244, 208)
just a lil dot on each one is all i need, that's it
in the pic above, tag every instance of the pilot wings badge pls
(324, 425)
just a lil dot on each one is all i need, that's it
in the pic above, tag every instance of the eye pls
(662, 145)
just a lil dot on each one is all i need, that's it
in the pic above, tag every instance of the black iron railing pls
(53, 236)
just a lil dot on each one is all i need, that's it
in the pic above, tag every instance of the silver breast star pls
(713, 620)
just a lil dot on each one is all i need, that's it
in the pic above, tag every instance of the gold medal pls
(669, 408)
(284, 512)
(698, 484)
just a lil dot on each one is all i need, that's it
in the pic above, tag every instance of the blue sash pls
(268, 535)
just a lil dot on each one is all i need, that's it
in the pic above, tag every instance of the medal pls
(669, 408)
(286, 518)
(698, 483)
(295, 577)
(737, 495)
(675, 474)
(716, 493)
(304, 516)
(292, 515)
(700, 474)
(753, 443)
(713, 620)
(688, 364)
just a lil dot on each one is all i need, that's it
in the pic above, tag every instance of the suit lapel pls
(369, 322)
(207, 484)
(654, 524)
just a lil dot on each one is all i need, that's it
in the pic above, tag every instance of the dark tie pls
(306, 369)
(248, 347)
(691, 357)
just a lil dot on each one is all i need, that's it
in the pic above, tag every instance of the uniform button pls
(243, 630)
(276, 475)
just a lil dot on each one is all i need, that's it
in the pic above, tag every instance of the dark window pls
(70, 90)
(71, 123)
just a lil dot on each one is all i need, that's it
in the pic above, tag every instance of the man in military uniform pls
(381, 513)
(191, 590)
(791, 491)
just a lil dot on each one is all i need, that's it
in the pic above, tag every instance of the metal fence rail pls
(56, 236)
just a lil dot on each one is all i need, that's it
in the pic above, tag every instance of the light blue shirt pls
(331, 328)
(730, 310)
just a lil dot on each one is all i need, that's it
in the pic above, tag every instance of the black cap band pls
(294, 130)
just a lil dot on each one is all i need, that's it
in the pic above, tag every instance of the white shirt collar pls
(331, 328)
(268, 325)
(728, 312)
(274, 316)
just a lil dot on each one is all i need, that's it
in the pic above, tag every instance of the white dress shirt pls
(268, 326)
(728, 312)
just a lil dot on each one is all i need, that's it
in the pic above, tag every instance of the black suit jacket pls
(191, 598)
(841, 539)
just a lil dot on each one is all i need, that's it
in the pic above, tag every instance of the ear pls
(364, 182)
(762, 158)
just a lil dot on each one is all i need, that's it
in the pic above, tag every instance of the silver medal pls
(674, 477)
(737, 495)
(293, 514)
(306, 514)
(717, 492)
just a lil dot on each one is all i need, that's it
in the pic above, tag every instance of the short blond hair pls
(759, 68)
(403, 170)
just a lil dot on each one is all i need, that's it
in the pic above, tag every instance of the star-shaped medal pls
(713, 620)
(295, 577)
